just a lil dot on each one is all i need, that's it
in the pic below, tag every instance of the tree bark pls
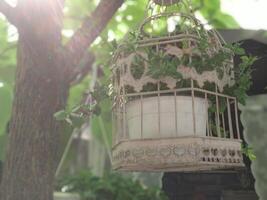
(41, 90)
(45, 70)
(34, 133)
(91, 28)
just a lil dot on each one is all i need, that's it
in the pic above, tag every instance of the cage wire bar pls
(215, 155)
(121, 113)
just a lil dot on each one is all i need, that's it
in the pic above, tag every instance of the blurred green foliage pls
(109, 187)
(7, 75)
(211, 10)
(254, 116)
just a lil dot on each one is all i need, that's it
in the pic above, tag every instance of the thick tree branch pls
(91, 28)
(8, 11)
(85, 66)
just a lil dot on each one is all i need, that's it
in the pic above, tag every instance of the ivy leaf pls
(248, 151)
(114, 44)
(61, 115)
(77, 120)
(76, 108)
(97, 110)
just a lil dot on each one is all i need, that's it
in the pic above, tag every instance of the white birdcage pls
(172, 123)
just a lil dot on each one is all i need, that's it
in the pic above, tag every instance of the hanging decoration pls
(174, 108)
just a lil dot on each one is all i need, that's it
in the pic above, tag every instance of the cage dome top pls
(169, 47)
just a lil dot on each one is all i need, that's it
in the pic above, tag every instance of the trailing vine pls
(161, 65)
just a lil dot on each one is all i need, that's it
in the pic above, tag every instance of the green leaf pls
(61, 115)
(248, 151)
(97, 110)
(76, 120)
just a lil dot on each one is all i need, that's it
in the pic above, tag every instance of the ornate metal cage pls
(169, 123)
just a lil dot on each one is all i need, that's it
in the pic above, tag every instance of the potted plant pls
(172, 84)
(190, 56)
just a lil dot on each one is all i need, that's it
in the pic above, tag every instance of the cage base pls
(183, 154)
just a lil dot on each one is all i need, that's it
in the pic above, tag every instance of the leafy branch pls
(248, 151)
(111, 186)
(79, 114)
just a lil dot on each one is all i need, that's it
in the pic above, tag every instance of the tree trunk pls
(44, 72)
(41, 90)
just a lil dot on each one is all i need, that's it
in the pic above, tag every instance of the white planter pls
(165, 107)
